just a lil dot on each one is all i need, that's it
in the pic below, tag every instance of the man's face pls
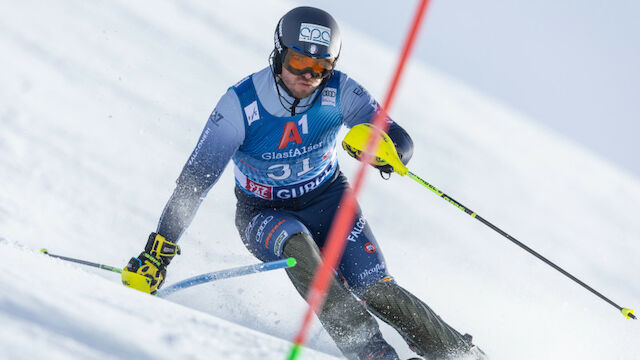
(300, 86)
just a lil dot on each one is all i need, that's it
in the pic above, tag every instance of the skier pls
(279, 126)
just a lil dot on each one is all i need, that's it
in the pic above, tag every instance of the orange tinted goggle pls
(299, 64)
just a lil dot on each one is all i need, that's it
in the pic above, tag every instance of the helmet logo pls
(276, 37)
(313, 49)
(316, 34)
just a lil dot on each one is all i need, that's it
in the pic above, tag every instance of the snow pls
(80, 315)
(100, 106)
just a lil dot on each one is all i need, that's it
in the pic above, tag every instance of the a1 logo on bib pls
(291, 132)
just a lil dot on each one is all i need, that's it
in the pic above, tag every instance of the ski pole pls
(354, 143)
(83, 262)
(195, 280)
(225, 274)
(628, 313)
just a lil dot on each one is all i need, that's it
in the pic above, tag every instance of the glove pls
(397, 135)
(357, 154)
(404, 147)
(147, 271)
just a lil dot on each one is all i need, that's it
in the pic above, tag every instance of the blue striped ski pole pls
(225, 274)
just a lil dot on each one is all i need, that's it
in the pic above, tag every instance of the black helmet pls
(309, 31)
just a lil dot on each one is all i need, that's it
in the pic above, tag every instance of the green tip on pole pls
(628, 313)
(295, 350)
(291, 262)
(44, 251)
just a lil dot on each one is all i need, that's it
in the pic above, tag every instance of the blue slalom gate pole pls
(225, 274)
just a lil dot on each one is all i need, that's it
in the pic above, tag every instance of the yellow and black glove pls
(396, 146)
(376, 162)
(147, 271)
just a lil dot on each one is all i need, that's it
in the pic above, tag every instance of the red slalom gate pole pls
(345, 216)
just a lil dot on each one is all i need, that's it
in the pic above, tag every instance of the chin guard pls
(355, 143)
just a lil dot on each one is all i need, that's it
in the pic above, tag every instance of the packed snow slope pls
(101, 103)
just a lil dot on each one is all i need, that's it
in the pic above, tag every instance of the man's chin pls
(306, 92)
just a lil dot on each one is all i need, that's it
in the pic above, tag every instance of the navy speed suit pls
(288, 187)
(287, 176)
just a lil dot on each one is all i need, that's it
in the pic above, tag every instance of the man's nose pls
(307, 76)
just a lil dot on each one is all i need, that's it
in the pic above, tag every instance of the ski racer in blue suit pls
(279, 127)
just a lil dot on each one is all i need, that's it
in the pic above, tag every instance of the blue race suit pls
(285, 166)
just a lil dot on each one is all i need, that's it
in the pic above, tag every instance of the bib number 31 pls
(283, 171)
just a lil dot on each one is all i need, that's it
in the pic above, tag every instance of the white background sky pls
(571, 65)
